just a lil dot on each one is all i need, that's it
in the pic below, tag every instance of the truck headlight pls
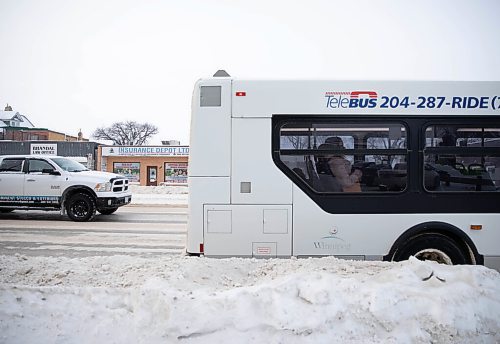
(103, 187)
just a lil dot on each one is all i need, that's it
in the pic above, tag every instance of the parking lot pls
(132, 230)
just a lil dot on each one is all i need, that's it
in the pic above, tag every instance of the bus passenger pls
(340, 167)
(326, 180)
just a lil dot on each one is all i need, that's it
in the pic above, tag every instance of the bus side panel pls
(203, 190)
(263, 231)
(252, 165)
(267, 97)
(317, 233)
(210, 145)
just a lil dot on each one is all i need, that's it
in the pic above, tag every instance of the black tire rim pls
(80, 209)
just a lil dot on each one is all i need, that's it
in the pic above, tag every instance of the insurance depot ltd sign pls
(145, 151)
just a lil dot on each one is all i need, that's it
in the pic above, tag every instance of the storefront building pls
(146, 165)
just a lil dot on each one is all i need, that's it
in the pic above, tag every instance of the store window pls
(131, 170)
(176, 172)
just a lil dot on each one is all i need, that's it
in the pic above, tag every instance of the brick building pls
(146, 165)
(17, 127)
(37, 134)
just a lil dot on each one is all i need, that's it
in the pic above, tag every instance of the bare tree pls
(126, 133)
(298, 142)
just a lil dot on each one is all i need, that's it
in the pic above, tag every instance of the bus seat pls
(400, 166)
(300, 173)
(475, 167)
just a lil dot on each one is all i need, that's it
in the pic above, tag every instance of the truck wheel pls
(6, 210)
(433, 246)
(81, 207)
(108, 211)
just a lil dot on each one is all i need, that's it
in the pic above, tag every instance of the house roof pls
(7, 114)
(26, 121)
(15, 116)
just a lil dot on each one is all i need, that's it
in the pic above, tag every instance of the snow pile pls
(165, 194)
(180, 299)
(126, 299)
(163, 189)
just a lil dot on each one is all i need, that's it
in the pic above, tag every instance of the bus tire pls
(81, 207)
(433, 246)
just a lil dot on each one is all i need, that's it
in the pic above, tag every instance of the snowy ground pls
(173, 195)
(179, 299)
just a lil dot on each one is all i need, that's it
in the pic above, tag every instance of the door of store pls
(152, 179)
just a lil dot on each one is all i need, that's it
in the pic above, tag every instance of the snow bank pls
(126, 299)
(162, 190)
(180, 299)
(167, 195)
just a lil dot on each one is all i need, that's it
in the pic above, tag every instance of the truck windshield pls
(69, 165)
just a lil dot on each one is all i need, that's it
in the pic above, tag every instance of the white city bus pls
(420, 164)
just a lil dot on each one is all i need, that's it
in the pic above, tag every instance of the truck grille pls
(120, 185)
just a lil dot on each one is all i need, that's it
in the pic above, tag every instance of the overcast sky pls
(85, 64)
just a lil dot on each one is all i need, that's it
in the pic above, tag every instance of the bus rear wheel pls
(435, 247)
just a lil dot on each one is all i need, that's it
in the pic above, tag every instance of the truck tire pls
(6, 210)
(107, 211)
(81, 207)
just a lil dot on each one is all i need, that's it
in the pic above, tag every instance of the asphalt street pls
(132, 230)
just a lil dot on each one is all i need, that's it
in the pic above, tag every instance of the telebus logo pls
(352, 99)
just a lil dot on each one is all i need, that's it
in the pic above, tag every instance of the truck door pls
(11, 181)
(42, 186)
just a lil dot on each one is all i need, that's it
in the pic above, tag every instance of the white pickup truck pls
(58, 183)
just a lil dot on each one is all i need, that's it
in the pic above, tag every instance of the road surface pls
(132, 230)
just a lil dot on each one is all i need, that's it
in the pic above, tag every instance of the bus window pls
(464, 159)
(346, 157)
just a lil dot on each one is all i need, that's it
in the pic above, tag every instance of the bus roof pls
(263, 98)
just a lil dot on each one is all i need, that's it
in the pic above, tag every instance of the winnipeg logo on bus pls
(332, 242)
(332, 234)
(351, 99)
